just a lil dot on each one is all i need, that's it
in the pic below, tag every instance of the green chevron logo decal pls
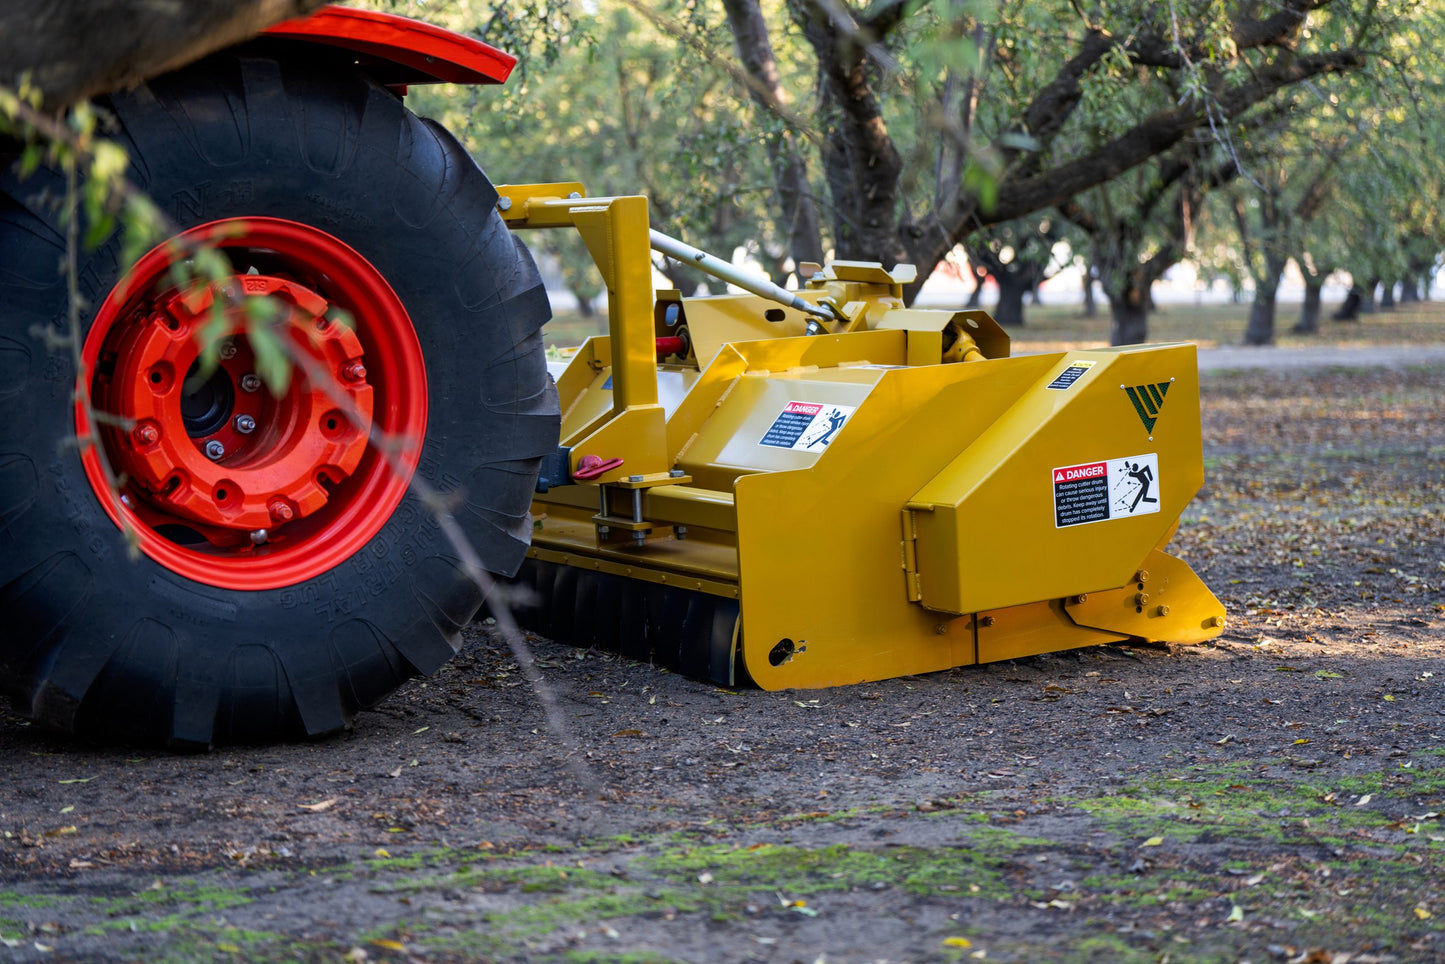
(1148, 402)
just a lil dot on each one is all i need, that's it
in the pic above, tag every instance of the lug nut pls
(250, 382)
(280, 511)
(147, 433)
(259, 536)
(214, 449)
(355, 372)
(245, 424)
(227, 350)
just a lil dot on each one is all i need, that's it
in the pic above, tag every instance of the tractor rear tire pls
(318, 179)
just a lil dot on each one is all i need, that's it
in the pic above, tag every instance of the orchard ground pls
(1275, 795)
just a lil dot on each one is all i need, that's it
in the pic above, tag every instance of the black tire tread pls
(97, 642)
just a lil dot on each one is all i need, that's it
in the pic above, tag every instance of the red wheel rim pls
(218, 480)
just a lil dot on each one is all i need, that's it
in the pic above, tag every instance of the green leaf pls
(272, 362)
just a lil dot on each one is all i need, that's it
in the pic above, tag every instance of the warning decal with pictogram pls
(1098, 491)
(806, 426)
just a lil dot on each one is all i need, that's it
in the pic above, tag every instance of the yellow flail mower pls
(797, 489)
(823, 487)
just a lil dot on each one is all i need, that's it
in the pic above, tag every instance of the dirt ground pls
(1277, 795)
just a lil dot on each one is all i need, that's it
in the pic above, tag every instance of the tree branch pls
(1155, 135)
(74, 49)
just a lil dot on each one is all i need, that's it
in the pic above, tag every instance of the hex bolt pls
(355, 372)
(1215, 622)
(986, 621)
(639, 536)
(227, 350)
(504, 204)
(245, 424)
(603, 532)
(214, 449)
(250, 382)
(634, 478)
(680, 532)
(280, 511)
(1141, 599)
(147, 433)
(1080, 599)
(1162, 610)
(676, 473)
(1142, 575)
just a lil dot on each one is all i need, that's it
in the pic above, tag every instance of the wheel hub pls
(207, 450)
(219, 479)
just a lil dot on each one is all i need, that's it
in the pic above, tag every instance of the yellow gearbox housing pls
(887, 495)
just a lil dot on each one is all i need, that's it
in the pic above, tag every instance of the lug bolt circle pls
(245, 424)
(214, 449)
(280, 511)
(147, 433)
(250, 382)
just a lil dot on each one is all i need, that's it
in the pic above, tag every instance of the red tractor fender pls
(399, 51)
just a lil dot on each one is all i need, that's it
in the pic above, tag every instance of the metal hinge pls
(910, 557)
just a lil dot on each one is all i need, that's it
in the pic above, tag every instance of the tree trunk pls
(980, 275)
(1368, 305)
(797, 214)
(1262, 310)
(1387, 296)
(1091, 304)
(1409, 290)
(1260, 330)
(1010, 309)
(1309, 313)
(75, 49)
(1130, 321)
(860, 160)
(1349, 309)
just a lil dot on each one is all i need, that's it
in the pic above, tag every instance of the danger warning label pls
(806, 426)
(1115, 489)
